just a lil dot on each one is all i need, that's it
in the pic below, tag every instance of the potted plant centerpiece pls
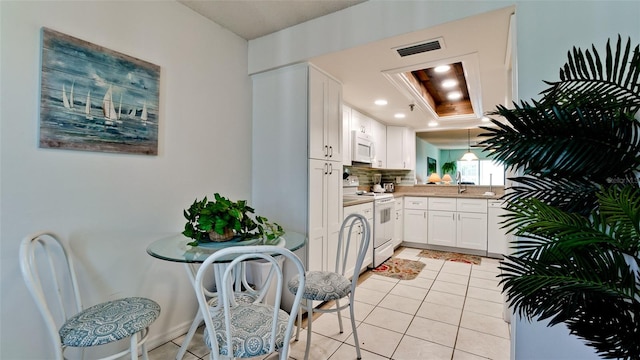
(223, 220)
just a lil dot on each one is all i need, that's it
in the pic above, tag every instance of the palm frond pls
(621, 207)
(573, 195)
(555, 142)
(583, 80)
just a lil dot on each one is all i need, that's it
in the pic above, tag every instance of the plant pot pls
(228, 235)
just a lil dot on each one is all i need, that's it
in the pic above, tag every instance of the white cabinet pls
(398, 225)
(365, 210)
(360, 122)
(460, 223)
(379, 134)
(400, 147)
(293, 189)
(325, 217)
(325, 117)
(472, 231)
(497, 238)
(346, 135)
(415, 219)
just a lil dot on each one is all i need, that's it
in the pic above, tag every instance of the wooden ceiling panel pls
(430, 81)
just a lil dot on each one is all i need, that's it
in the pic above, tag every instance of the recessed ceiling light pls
(442, 68)
(485, 119)
(399, 116)
(433, 123)
(449, 83)
(454, 95)
(380, 102)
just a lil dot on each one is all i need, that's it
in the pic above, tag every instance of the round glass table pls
(175, 248)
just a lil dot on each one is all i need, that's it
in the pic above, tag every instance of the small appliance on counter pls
(377, 188)
(389, 187)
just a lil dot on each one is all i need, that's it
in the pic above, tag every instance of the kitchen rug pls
(398, 268)
(451, 256)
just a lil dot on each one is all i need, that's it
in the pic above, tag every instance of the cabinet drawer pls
(442, 204)
(472, 205)
(418, 203)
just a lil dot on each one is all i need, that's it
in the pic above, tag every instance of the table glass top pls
(175, 248)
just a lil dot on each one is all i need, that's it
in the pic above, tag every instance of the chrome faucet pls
(458, 179)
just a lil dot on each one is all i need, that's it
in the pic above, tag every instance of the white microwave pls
(363, 148)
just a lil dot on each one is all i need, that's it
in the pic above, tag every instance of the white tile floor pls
(450, 311)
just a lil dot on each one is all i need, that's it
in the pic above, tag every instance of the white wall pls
(111, 206)
(546, 30)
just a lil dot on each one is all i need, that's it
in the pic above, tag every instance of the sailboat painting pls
(120, 113)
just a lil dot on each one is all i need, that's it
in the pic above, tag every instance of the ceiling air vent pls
(422, 47)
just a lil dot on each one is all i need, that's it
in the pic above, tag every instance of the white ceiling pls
(483, 38)
(252, 19)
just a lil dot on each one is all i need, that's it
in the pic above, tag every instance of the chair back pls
(354, 236)
(47, 270)
(226, 282)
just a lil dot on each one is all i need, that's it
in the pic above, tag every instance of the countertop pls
(351, 202)
(365, 199)
(463, 195)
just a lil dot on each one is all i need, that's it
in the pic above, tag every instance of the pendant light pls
(469, 156)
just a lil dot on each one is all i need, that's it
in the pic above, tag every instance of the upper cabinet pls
(360, 122)
(378, 131)
(379, 134)
(401, 147)
(325, 117)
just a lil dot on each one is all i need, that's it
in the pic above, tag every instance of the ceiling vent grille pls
(420, 48)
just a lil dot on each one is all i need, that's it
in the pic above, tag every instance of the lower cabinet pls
(453, 228)
(415, 219)
(365, 210)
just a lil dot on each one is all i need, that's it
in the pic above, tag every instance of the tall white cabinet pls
(297, 155)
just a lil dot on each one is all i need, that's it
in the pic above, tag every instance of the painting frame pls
(432, 166)
(123, 115)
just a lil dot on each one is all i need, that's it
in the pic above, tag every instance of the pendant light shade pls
(469, 156)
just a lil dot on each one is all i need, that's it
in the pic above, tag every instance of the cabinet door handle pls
(453, 217)
(330, 169)
(326, 150)
(424, 214)
(330, 151)
(326, 168)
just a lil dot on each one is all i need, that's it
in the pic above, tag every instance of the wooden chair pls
(46, 265)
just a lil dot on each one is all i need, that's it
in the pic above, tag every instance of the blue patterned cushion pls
(240, 297)
(322, 286)
(109, 321)
(251, 330)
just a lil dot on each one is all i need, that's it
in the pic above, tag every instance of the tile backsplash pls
(365, 175)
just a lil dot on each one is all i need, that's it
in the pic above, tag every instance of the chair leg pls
(143, 347)
(309, 322)
(299, 322)
(133, 346)
(187, 339)
(339, 316)
(353, 327)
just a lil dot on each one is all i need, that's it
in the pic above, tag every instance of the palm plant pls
(576, 206)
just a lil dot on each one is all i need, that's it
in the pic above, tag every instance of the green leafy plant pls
(222, 216)
(576, 206)
(449, 168)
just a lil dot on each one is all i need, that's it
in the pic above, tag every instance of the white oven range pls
(382, 227)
